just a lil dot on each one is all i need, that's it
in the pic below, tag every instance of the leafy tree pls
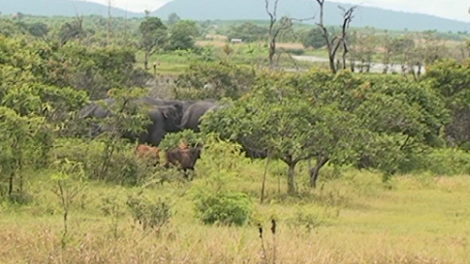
(10, 28)
(182, 35)
(283, 122)
(173, 19)
(72, 30)
(399, 116)
(22, 139)
(313, 38)
(125, 118)
(153, 35)
(38, 29)
(202, 81)
(451, 80)
(95, 70)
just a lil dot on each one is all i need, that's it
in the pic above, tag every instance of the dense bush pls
(190, 137)
(224, 208)
(149, 214)
(202, 81)
(125, 167)
(447, 161)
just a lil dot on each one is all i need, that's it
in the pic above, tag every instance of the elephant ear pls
(169, 113)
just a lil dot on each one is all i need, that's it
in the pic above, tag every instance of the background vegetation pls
(362, 165)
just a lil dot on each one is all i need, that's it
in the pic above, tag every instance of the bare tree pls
(339, 41)
(274, 29)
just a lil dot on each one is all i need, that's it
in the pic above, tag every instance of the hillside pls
(243, 10)
(255, 10)
(59, 8)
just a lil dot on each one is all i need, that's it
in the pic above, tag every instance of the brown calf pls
(183, 157)
(148, 153)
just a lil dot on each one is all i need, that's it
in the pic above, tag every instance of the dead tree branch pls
(336, 42)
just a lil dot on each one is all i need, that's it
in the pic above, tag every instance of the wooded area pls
(299, 161)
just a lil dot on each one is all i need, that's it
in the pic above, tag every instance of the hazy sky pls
(454, 9)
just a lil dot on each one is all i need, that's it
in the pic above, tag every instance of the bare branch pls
(271, 15)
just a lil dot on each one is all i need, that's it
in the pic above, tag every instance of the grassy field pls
(351, 218)
(247, 54)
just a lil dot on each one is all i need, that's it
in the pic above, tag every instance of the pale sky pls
(453, 9)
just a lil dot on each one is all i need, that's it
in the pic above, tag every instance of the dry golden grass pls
(218, 42)
(354, 219)
(290, 45)
(215, 43)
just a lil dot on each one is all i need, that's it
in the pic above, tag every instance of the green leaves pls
(182, 35)
(153, 33)
(204, 80)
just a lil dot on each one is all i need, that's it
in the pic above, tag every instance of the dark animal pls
(192, 116)
(148, 154)
(165, 117)
(254, 153)
(184, 158)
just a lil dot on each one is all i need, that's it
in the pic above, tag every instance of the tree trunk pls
(146, 60)
(291, 179)
(315, 171)
(272, 52)
(10, 184)
(263, 185)
(332, 63)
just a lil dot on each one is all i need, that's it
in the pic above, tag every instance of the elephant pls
(165, 117)
(192, 116)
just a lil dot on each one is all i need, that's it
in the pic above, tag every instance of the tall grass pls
(352, 217)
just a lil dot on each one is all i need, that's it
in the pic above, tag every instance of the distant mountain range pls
(244, 10)
(60, 8)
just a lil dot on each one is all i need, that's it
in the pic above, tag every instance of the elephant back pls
(192, 116)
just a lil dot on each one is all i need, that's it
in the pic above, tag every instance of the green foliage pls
(248, 32)
(173, 18)
(38, 29)
(279, 119)
(224, 208)
(182, 35)
(97, 70)
(188, 136)
(126, 116)
(151, 215)
(126, 168)
(306, 219)
(72, 30)
(202, 81)
(69, 178)
(153, 33)
(112, 207)
(24, 142)
(450, 80)
(445, 162)
(313, 38)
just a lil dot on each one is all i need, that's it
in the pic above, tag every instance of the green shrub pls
(214, 80)
(447, 161)
(224, 208)
(150, 215)
(126, 168)
(173, 139)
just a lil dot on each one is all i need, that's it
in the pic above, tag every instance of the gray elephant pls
(192, 116)
(165, 117)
